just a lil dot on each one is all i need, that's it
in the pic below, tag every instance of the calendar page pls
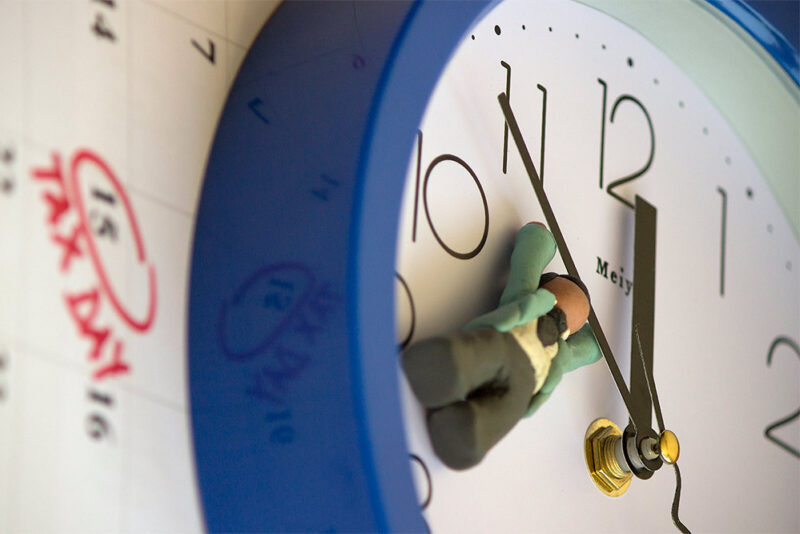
(107, 112)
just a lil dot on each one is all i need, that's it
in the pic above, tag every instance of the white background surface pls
(147, 104)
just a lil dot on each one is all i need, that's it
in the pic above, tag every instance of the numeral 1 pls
(544, 129)
(416, 187)
(505, 125)
(723, 229)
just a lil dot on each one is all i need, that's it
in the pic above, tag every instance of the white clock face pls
(606, 116)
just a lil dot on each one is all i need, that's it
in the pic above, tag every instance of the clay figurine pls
(478, 382)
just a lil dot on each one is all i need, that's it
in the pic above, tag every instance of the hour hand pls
(643, 318)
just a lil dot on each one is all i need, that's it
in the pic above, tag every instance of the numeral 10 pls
(424, 183)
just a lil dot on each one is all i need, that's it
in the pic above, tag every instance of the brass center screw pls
(600, 445)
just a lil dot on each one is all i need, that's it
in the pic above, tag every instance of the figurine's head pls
(572, 298)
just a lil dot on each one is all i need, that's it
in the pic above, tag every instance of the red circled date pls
(85, 157)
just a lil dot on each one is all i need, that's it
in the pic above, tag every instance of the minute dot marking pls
(681, 104)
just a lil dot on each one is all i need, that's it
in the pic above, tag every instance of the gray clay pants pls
(475, 385)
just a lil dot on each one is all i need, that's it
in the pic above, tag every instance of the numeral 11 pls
(723, 228)
(543, 89)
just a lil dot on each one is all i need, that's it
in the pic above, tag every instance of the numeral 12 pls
(625, 179)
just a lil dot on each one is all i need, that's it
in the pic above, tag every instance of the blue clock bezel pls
(327, 359)
(764, 33)
(347, 466)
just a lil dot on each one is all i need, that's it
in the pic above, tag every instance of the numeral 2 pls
(792, 416)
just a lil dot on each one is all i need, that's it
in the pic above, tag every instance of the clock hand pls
(562, 248)
(643, 385)
(668, 443)
(648, 218)
(643, 317)
(676, 502)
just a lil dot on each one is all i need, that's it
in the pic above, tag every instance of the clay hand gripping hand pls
(477, 383)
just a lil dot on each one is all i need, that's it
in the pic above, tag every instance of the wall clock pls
(305, 286)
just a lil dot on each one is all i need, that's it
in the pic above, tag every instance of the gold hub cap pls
(670, 449)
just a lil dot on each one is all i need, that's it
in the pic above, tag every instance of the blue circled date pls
(262, 308)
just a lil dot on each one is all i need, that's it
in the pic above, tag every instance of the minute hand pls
(563, 250)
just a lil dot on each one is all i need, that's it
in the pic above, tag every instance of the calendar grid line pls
(194, 24)
(46, 355)
(143, 193)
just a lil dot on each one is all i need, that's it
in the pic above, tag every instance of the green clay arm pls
(517, 312)
(582, 350)
(534, 247)
(522, 300)
(576, 351)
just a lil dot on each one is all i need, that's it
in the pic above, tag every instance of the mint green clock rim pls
(762, 106)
